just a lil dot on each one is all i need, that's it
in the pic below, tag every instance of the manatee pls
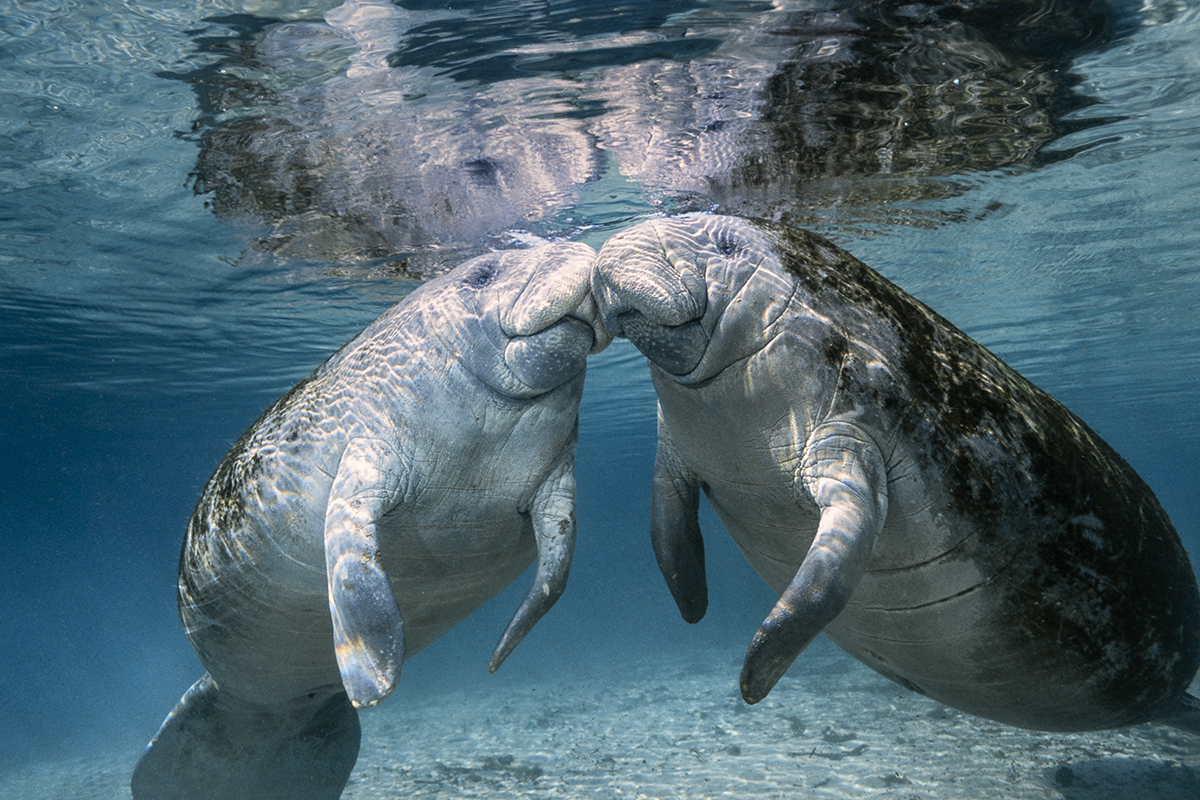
(402, 484)
(941, 518)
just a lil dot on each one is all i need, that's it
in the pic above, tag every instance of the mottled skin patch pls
(1023, 572)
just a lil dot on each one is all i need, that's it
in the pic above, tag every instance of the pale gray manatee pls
(397, 488)
(941, 518)
(339, 156)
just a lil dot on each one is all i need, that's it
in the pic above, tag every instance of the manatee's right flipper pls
(1186, 716)
(553, 514)
(675, 531)
(368, 632)
(844, 472)
(211, 748)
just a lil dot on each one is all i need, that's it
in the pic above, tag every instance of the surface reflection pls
(807, 104)
(384, 132)
(375, 161)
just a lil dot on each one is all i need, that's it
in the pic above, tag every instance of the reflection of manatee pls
(938, 516)
(374, 161)
(382, 132)
(410, 478)
(817, 91)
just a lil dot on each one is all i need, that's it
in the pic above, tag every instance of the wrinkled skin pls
(941, 518)
(409, 479)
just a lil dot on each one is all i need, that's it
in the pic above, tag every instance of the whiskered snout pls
(653, 297)
(635, 271)
(553, 285)
(552, 356)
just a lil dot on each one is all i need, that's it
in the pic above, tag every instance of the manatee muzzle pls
(674, 348)
(552, 356)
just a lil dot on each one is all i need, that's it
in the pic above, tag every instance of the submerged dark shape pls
(814, 102)
(941, 518)
(410, 478)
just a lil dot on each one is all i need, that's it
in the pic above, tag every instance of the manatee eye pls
(727, 247)
(482, 275)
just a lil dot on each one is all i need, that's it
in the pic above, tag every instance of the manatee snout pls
(523, 321)
(676, 349)
(655, 300)
(552, 356)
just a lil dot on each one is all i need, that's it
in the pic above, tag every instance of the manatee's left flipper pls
(368, 633)
(212, 747)
(675, 530)
(1185, 716)
(553, 512)
(844, 472)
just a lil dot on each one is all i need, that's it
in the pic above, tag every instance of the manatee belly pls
(263, 627)
(259, 621)
(1060, 636)
(1040, 619)
(442, 571)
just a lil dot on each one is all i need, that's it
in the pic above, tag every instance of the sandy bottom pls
(675, 728)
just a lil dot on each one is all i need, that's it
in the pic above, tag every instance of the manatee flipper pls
(844, 472)
(553, 512)
(212, 748)
(368, 632)
(675, 532)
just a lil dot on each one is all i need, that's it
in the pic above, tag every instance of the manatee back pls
(252, 568)
(1026, 572)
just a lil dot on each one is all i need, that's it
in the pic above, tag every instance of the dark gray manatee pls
(800, 104)
(409, 479)
(937, 515)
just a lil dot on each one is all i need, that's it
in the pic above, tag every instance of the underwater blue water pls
(141, 333)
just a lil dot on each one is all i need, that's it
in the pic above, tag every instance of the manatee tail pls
(211, 749)
(1186, 716)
